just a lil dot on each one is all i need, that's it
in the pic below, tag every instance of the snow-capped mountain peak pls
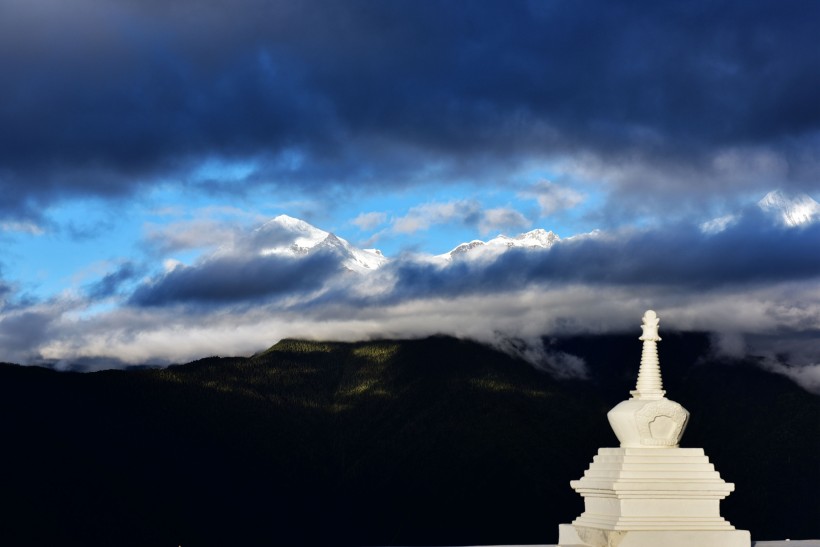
(534, 238)
(791, 209)
(466, 247)
(286, 235)
(304, 235)
(476, 249)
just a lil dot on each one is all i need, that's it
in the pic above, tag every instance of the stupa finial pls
(649, 324)
(649, 385)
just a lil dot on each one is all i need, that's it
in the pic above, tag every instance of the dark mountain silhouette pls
(427, 442)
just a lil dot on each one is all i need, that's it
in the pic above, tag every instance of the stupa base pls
(582, 536)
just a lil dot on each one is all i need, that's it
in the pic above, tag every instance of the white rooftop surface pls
(783, 543)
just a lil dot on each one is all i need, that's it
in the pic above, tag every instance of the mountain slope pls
(426, 442)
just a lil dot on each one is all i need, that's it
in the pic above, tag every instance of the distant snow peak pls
(466, 247)
(791, 210)
(354, 259)
(305, 235)
(476, 249)
(535, 238)
(294, 237)
(292, 222)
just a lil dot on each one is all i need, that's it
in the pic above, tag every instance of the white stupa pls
(650, 492)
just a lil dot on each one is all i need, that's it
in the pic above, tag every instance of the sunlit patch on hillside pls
(302, 346)
(369, 378)
(376, 353)
(499, 386)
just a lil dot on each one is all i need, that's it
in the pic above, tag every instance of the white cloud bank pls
(176, 334)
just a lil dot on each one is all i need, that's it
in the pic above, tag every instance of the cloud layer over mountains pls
(753, 285)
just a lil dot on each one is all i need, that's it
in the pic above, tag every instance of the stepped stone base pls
(651, 497)
(580, 536)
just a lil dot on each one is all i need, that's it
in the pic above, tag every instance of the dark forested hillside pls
(426, 442)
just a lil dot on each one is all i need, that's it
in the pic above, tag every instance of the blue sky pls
(140, 135)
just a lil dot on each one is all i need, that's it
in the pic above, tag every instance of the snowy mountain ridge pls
(289, 236)
(477, 249)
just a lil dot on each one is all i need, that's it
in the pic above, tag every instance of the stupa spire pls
(649, 385)
(649, 419)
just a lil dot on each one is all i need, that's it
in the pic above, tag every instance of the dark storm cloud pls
(112, 283)
(23, 332)
(100, 98)
(226, 280)
(750, 252)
